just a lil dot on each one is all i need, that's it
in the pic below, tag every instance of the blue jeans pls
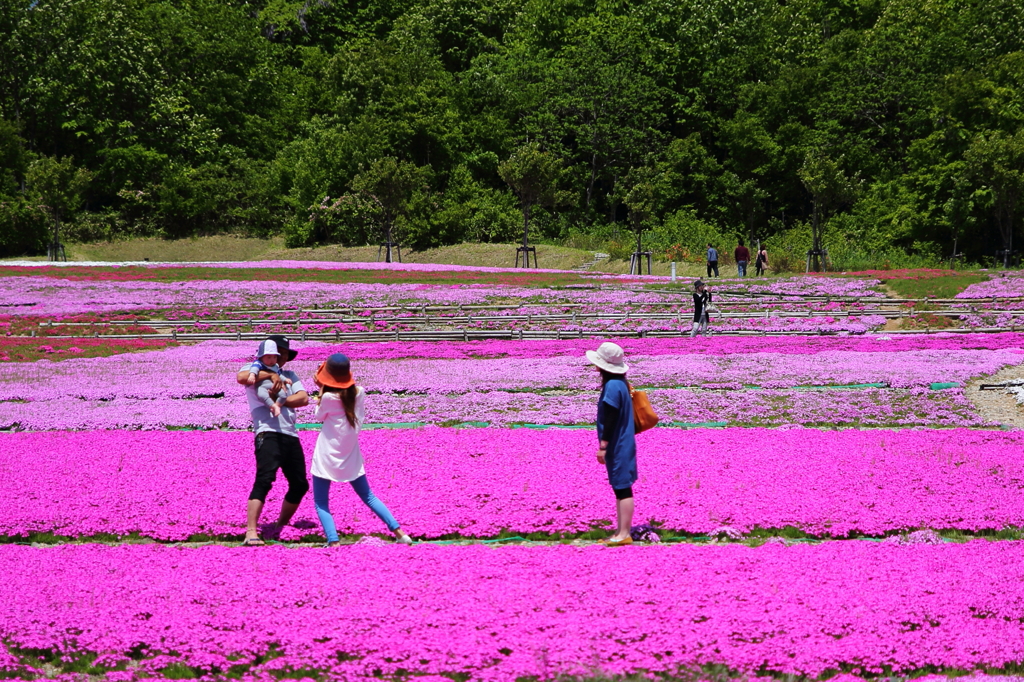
(321, 498)
(741, 265)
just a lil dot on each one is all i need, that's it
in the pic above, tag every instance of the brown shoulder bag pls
(643, 414)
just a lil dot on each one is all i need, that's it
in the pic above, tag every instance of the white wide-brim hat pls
(609, 357)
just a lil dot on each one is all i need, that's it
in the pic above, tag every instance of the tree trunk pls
(526, 224)
(815, 246)
(1005, 207)
(55, 242)
(593, 178)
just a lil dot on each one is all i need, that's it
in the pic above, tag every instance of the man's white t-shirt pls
(261, 419)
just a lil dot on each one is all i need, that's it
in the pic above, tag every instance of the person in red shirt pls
(742, 255)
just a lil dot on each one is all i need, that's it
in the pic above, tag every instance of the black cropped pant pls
(279, 451)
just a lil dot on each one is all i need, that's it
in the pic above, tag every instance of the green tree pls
(383, 194)
(830, 189)
(534, 176)
(605, 101)
(13, 158)
(60, 186)
(996, 161)
(640, 198)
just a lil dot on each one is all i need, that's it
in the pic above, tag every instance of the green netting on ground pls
(697, 425)
(368, 427)
(937, 386)
(552, 426)
(841, 386)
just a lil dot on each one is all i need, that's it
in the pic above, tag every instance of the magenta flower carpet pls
(809, 508)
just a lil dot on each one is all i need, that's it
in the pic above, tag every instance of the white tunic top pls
(337, 456)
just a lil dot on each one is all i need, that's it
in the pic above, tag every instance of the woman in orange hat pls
(337, 456)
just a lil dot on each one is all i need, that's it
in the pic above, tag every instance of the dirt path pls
(997, 406)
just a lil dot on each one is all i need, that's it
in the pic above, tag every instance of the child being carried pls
(265, 365)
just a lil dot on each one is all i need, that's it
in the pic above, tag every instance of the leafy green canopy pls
(198, 116)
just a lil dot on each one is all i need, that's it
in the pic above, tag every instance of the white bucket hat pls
(267, 347)
(609, 357)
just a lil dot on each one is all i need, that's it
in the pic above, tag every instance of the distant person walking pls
(701, 300)
(337, 457)
(277, 440)
(742, 255)
(712, 260)
(762, 261)
(616, 436)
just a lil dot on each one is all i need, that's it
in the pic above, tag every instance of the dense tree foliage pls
(897, 121)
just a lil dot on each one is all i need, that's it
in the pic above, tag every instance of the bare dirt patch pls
(998, 406)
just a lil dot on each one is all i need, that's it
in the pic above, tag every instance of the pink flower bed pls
(296, 264)
(49, 296)
(1011, 285)
(840, 407)
(497, 614)
(478, 482)
(391, 350)
(209, 368)
(52, 296)
(514, 382)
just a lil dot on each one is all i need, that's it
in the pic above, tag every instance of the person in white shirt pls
(277, 439)
(337, 457)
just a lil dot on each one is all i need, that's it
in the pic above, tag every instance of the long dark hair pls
(606, 376)
(348, 401)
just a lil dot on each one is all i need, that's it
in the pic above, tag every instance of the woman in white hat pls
(616, 435)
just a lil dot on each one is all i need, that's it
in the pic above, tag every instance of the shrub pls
(24, 228)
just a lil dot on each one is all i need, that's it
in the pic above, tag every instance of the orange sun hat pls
(335, 372)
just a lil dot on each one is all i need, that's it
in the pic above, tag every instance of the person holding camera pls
(701, 301)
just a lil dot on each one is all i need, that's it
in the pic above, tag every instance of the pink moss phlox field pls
(207, 370)
(479, 482)
(392, 350)
(296, 264)
(868, 407)
(839, 407)
(47, 296)
(1006, 285)
(512, 382)
(51, 296)
(497, 614)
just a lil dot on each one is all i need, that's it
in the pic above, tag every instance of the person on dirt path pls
(761, 264)
(337, 457)
(742, 256)
(712, 260)
(277, 442)
(616, 436)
